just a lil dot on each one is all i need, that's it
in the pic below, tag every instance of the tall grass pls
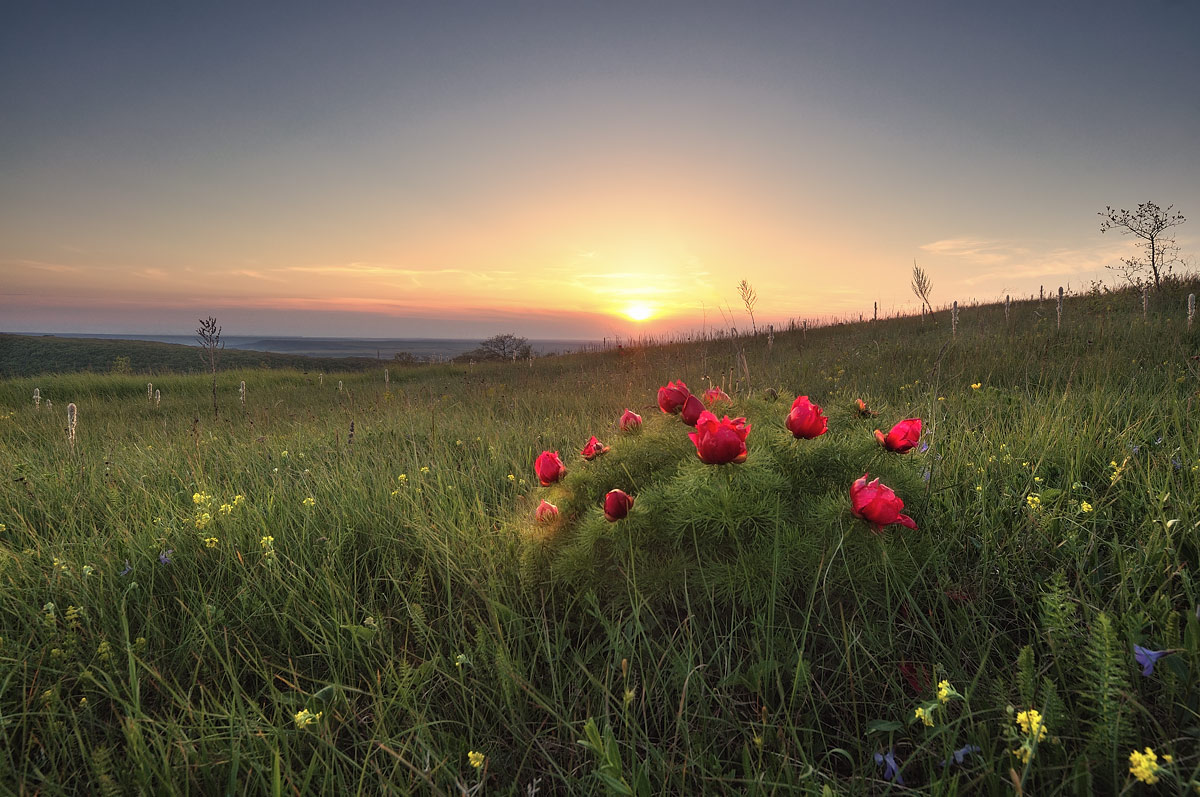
(385, 586)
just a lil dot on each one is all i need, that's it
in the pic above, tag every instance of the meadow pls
(338, 586)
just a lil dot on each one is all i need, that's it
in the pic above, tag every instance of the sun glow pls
(639, 311)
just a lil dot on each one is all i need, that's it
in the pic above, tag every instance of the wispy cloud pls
(1009, 261)
(974, 250)
(41, 265)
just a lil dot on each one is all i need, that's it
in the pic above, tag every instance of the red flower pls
(616, 505)
(719, 442)
(630, 422)
(691, 410)
(546, 512)
(877, 504)
(672, 395)
(805, 420)
(715, 395)
(593, 449)
(549, 468)
(903, 437)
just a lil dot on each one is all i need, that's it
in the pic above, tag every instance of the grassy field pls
(266, 603)
(32, 355)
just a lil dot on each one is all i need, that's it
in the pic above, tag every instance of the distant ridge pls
(373, 348)
(29, 355)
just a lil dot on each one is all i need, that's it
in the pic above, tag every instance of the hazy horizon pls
(575, 172)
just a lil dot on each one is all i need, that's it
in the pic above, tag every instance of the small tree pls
(922, 286)
(749, 298)
(504, 347)
(1151, 224)
(208, 334)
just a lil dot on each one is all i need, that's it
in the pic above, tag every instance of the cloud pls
(58, 268)
(974, 250)
(1011, 261)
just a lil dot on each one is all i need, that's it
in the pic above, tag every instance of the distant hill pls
(30, 355)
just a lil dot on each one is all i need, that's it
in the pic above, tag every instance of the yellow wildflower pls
(1035, 502)
(944, 691)
(1144, 766)
(309, 501)
(203, 519)
(976, 385)
(924, 716)
(1032, 724)
(226, 509)
(267, 542)
(201, 498)
(475, 758)
(403, 477)
(1084, 506)
(283, 454)
(304, 717)
(211, 542)
(424, 469)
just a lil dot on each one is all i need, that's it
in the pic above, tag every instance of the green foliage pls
(739, 632)
(1107, 684)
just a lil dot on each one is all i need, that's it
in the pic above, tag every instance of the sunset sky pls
(555, 169)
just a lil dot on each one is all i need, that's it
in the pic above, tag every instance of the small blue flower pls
(891, 770)
(1147, 658)
(1136, 449)
(925, 474)
(1158, 442)
(165, 556)
(1175, 461)
(128, 569)
(960, 754)
(924, 447)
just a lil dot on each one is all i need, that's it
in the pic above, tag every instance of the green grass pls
(739, 633)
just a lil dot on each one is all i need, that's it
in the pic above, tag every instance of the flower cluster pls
(724, 441)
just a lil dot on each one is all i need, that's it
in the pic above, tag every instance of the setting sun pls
(639, 311)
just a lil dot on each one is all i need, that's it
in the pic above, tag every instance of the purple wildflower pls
(165, 556)
(891, 770)
(128, 569)
(925, 474)
(924, 447)
(960, 754)
(1147, 658)
(1176, 462)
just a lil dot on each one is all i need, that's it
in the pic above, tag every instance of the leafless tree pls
(1151, 224)
(208, 334)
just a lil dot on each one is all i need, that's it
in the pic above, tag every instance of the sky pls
(574, 170)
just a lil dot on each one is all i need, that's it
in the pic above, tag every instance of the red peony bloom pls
(719, 442)
(877, 504)
(805, 420)
(546, 512)
(549, 468)
(691, 410)
(903, 437)
(672, 395)
(616, 505)
(593, 449)
(630, 422)
(715, 395)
